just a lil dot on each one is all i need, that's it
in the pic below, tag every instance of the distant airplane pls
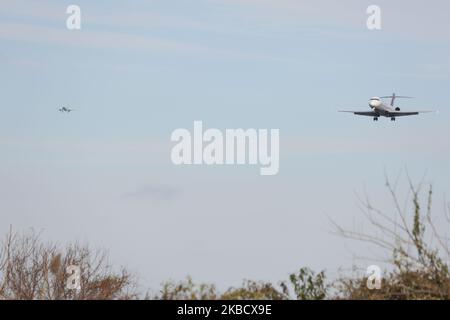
(64, 109)
(381, 109)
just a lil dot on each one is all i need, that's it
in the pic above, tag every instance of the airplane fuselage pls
(381, 108)
(64, 109)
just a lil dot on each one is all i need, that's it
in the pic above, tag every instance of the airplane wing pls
(406, 113)
(362, 113)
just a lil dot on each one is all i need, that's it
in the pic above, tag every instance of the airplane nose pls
(374, 103)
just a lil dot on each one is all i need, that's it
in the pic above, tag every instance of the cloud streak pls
(54, 36)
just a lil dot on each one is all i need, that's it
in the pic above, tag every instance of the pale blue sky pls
(137, 70)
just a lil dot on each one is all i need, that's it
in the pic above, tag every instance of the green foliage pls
(187, 290)
(306, 284)
(253, 290)
(418, 274)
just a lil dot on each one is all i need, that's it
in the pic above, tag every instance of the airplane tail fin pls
(393, 97)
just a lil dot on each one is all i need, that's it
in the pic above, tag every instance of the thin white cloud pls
(319, 146)
(119, 41)
(412, 20)
(34, 9)
(56, 36)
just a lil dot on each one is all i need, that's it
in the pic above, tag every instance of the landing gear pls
(375, 118)
(393, 119)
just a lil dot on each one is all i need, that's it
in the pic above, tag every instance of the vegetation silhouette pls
(416, 266)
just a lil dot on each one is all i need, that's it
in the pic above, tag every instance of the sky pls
(137, 70)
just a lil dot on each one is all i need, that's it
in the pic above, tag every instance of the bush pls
(33, 270)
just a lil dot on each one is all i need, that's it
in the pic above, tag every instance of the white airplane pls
(64, 109)
(380, 109)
